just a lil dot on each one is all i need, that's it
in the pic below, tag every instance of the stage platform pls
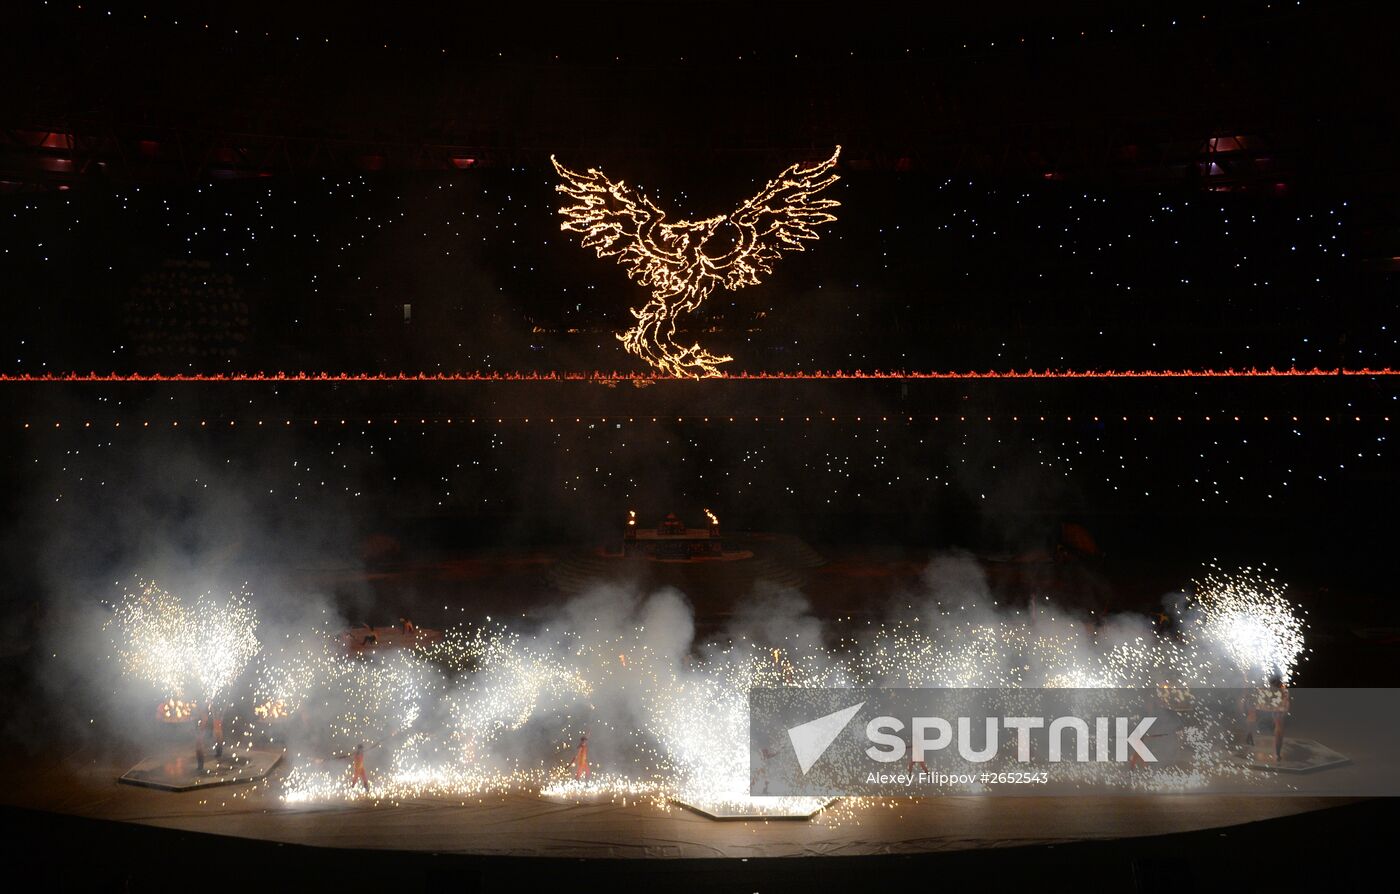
(1299, 756)
(178, 771)
(525, 825)
(754, 811)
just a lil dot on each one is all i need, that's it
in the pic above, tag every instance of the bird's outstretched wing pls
(613, 220)
(781, 218)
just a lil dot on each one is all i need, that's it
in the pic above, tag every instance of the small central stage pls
(180, 772)
(758, 808)
(1299, 756)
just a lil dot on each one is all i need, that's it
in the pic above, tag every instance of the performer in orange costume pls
(357, 762)
(581, 768)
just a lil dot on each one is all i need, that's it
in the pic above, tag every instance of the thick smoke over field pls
(493, 707)
(503, 703)
(104, 519)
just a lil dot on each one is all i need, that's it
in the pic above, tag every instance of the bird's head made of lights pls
(682, 262)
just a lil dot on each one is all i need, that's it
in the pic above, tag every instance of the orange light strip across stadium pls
(840, 419)
(650, 378)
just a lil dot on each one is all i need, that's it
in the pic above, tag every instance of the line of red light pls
(819, 418)
(634, 377)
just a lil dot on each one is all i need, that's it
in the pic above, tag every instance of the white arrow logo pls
(810, 740)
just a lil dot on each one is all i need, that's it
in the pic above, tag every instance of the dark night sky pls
(224, 188)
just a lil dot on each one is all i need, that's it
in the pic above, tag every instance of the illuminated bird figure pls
(683, 261)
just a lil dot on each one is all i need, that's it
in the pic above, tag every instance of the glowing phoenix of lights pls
(683, 261)
(188, 649)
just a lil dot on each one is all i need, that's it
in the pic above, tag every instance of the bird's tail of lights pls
(652, 339)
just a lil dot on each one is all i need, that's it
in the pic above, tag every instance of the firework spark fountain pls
(188, 650)
(487, 709)
(1249, 614)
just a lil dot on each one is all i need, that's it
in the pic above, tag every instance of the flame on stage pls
(174, 710)
(272, 709)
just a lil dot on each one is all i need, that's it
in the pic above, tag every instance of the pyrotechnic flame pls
(174, 710)
(273, 709)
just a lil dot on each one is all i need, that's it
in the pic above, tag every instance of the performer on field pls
(581, 768)
(357, 763)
